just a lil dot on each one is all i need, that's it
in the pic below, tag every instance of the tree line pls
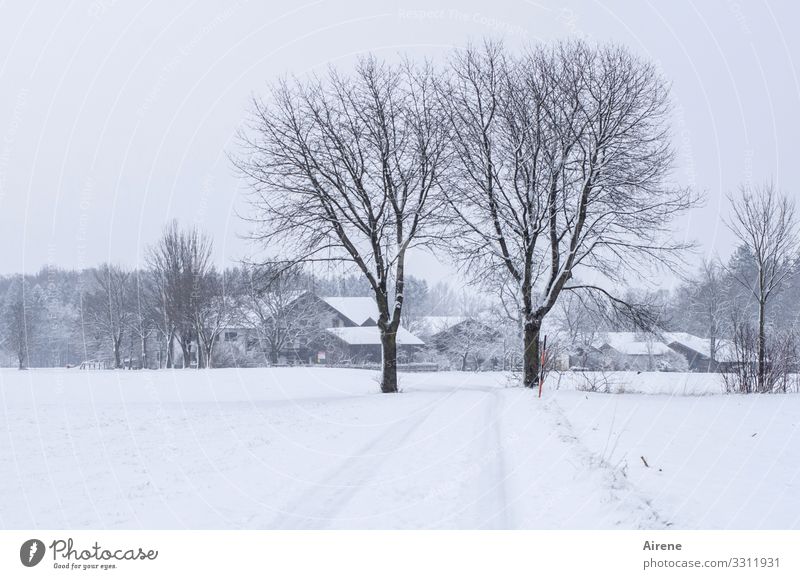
(172, 312)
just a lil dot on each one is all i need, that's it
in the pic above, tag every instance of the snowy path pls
(321, 449)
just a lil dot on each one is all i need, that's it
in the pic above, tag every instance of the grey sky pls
(116, 115)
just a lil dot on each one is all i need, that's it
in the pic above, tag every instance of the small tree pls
(216, 307)
(180, 261)
(708, 303)
(144, 318)
(275, 306)
(109, 307)
(764, 222)
(23, 315)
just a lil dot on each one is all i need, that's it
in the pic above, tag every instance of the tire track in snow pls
(493, 515)
(343, 482)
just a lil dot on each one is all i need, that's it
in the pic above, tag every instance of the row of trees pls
(530, 170)
(61, 317)
(173, 312)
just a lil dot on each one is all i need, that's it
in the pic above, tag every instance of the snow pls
(359, 310)
(619, 382)
(370, 335)
(432, 325)
(633, 344)
(321, 448)
(699, 345)
(724, 348)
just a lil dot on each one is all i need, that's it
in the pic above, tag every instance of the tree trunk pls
(117, 358)
(273, 356)
(21, 359)
(762, 371)
(186, 351)
(530, 358)
(388, 360)
(170, 347)
(712, 362)
(209, 349)
(143, 361)
(201, 352)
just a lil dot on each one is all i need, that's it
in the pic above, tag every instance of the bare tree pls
(276, 306)
(764, 222)
(22, 318)
(709, 302)
(180, 260)
(562, 160)
(578, 325)
(109, 308)
(344, 168)
(470, 335)
(215, 308)
(144, 318)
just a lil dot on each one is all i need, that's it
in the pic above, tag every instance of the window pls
(231, 336)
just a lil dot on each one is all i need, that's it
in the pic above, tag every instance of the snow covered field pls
(321, 448)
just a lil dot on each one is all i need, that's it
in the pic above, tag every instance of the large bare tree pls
(764, 221)
(562, 159)
(344, 167)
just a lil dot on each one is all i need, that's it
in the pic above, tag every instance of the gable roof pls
(700, 345)
(370, 335)
(435, 324)
(724, 349)
(632, 344)
(358, 310)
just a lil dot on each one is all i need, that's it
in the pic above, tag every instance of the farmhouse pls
(641, 351)
(467, 343)
(331, 330)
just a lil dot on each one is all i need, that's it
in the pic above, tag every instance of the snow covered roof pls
(724, 349)
(696, 343)
(359, 309)
(370, 335)
(633, 343)
(435, 324)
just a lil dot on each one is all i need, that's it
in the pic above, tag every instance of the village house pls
(642, 351)
(465, 342)
(330, 330)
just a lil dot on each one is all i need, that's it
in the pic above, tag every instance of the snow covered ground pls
(321, 448)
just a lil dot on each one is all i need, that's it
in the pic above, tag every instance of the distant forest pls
(59, 317)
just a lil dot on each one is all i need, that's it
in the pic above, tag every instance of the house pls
(698, 354)
(641, 351)
(467, 343)
(316, 330)
(353, 335)
(363, 344)
(638, 351)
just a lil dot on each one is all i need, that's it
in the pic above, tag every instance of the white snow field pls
(319, 448)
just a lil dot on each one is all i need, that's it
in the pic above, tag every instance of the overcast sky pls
(116, 116)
